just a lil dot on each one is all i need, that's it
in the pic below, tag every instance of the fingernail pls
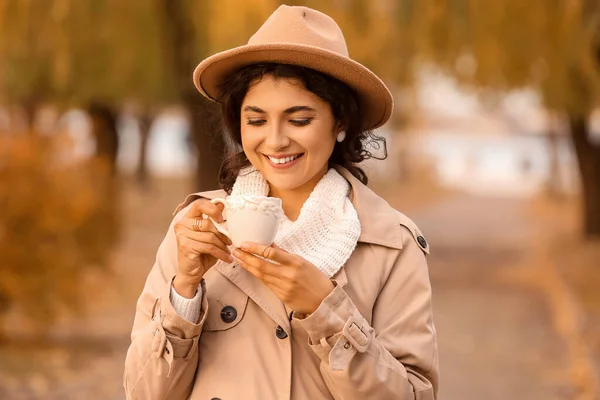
(231, 259)
(244, 246)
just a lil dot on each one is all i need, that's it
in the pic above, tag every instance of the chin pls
(284, 182)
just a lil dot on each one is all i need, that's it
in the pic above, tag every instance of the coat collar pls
(378, 220)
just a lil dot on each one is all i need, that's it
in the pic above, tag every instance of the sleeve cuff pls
(174, 323)
(337, 330)
(190, 309)
(331, 316)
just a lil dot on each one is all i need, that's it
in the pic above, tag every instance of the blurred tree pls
(102, 52)
(60, 53)
(51, 231)
(184, 41)
(194, 30)
(95, 55)
(552, 46)
(142, 174)
(26, 62)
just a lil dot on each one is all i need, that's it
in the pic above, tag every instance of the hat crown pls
(303, 26)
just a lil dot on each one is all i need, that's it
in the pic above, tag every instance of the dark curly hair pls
(340, 97)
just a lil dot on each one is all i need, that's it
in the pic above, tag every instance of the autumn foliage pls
(57, 222)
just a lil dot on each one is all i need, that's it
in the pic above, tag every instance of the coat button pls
(280, 333)
(228, 314)
(422, 242)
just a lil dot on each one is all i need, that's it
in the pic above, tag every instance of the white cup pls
(250, 219)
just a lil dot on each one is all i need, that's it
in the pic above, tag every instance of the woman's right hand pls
(198, 251)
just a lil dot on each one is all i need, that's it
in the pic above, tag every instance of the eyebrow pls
(290, 110)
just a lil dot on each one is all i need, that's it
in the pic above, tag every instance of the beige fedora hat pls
(308, 38)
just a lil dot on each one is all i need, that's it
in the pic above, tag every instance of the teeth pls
(283, 160)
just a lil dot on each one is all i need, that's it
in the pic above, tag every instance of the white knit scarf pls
(327, 229)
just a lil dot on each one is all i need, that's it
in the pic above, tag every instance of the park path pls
(507, 325)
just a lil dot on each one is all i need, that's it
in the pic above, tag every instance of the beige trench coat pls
(372, 338)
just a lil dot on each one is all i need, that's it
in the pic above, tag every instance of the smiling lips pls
(283, 161)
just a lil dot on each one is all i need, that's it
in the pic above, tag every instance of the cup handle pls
(218, 226)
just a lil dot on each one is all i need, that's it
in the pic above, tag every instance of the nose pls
(276, 138)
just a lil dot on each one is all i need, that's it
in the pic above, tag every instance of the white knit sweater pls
(325, 233)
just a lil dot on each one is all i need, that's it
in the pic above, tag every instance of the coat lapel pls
(257, 291)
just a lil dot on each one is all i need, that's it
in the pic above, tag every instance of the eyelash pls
(301, 122)
(297, 122)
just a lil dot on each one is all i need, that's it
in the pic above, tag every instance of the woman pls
(346, 311)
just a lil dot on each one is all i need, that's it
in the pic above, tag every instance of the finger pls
(265, 267)
(255, 270)
(203, 206)
(195, 248)
(206, 225)
(204, 237)
(209, 226)
(273, 252)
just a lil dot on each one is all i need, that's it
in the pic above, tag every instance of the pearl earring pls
(341, 136)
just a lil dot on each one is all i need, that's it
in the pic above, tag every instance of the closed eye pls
(256, 122)
(301, 122)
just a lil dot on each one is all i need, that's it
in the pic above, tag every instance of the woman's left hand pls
(298, 283)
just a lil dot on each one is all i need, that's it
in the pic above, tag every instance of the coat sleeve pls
(162, 359)
(394, 358)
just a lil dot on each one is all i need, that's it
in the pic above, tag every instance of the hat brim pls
(375, 99)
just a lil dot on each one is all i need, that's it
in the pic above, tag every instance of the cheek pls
(321, 144)
(249, 143)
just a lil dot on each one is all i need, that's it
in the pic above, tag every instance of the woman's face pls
(288, 133)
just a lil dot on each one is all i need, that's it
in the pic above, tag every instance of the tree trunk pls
(104, 129)
(588, 157)
(554, 183)
(106, 218)
(30, 112)
(29, 108)
(145, 122)
(207, 136)
(181, 46)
